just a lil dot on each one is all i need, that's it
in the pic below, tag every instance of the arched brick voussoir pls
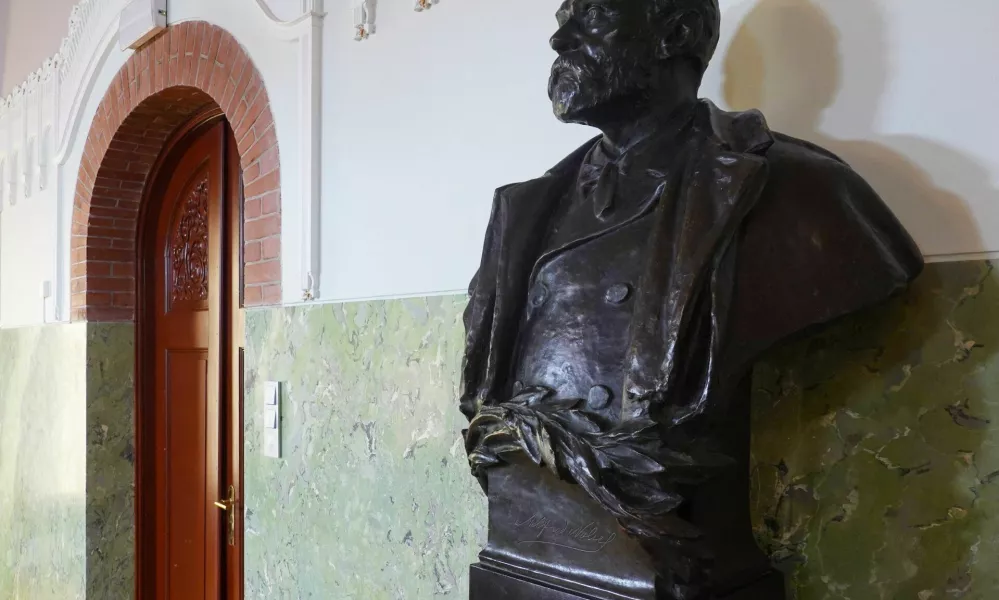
(193, 65)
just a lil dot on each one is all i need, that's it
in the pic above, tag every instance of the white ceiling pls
(4, 26)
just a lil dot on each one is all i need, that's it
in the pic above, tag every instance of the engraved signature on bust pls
(582, 538)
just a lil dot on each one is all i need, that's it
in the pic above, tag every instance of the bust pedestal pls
(549, 541)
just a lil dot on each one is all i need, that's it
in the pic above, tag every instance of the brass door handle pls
(229, 505)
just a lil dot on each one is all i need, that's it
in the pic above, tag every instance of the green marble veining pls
(66, 493)
(875, 458)
(42, 478)
(876, 465)
(371, 498)
(875, 453)
(110, 461)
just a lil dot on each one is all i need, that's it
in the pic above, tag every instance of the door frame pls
(231, 406)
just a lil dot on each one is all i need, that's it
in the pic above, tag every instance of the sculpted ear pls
(682, 33)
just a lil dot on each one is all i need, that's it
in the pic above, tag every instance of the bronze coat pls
(752, 241)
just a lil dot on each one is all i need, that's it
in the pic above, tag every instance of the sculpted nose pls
(564, 39)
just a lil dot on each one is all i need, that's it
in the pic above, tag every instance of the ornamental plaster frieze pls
(35, 117)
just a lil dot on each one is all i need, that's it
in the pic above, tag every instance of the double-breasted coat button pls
(618, 293)
(599, 397)
(539, 293)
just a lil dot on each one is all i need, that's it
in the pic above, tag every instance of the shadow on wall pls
(876, 442)
(787, 60)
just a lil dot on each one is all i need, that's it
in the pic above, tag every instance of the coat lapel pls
(521, 217)
(721, 181)
(609, 226)
(655, 161)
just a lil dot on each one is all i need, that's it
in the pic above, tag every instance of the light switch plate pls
(272, 419)
(272, 393)
(272, 443)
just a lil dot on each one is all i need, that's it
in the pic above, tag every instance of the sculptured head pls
(612, 52)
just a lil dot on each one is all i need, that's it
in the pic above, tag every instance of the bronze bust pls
(620, 303)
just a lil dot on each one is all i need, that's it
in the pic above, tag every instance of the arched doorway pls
(160, 105)
(193, 65)
(188, 367)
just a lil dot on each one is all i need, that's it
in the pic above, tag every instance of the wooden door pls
(190, 544)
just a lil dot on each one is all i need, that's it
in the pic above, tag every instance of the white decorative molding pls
(37, 78)
(293, 29)
(3, 190)
(80, 17)
(307, 31)
(23, 113)
(12, 179)
(93, 29)
(310, 121)
(284, 10)
(44, 158)
(27, 175)
(364, 19)
(47, 104)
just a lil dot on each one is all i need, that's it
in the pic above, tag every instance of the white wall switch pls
(272, 391)
(272, 419)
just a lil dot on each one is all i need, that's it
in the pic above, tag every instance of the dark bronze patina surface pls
(620, 303)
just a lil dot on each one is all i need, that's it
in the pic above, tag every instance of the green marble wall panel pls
(875, 458)
(876, 447)
(42, 464)
(110, 455)
(371, 498)
(66, 473)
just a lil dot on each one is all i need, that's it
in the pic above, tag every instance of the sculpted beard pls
(572, 78)
(580, 84)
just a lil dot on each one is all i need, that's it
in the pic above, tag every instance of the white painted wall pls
(27, 258)
(424, 119)
(30, 31)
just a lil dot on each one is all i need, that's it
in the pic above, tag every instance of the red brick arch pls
(190, 67)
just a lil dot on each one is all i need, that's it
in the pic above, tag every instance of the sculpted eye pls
(595, 11)
(598, 15)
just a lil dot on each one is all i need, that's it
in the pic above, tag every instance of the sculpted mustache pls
(572, 65)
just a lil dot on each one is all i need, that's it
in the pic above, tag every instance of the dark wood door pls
(191, 541)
